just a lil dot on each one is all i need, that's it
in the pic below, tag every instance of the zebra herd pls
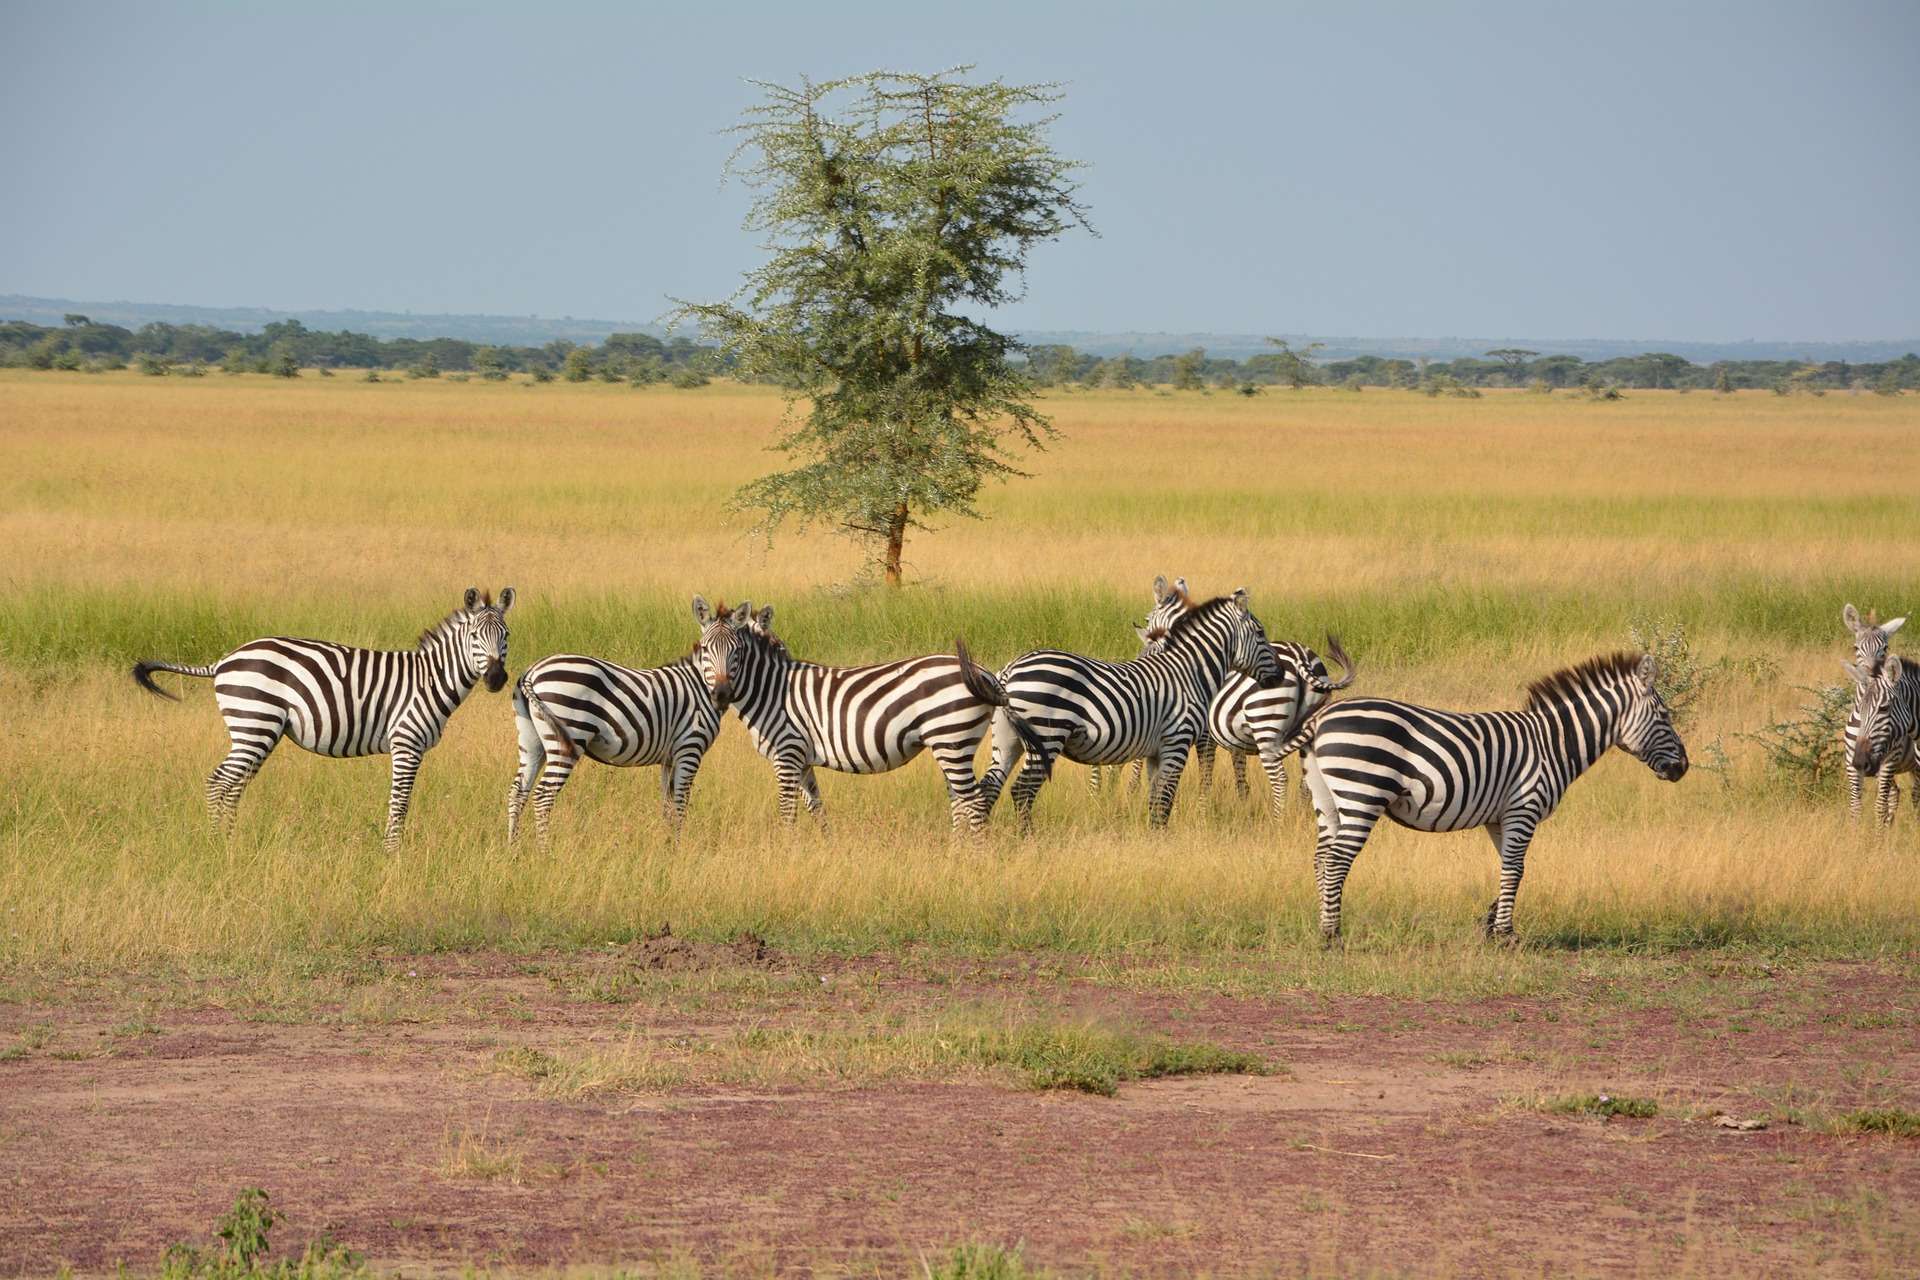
(1206, 676)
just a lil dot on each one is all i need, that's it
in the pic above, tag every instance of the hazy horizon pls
(1715, 174)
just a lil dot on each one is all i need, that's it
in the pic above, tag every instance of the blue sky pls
(1685, 171)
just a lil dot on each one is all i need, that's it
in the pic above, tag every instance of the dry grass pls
(1463, 546)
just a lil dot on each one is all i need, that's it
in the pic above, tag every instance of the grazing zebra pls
(339, 701)
(1502, 770)
(1098, 712)
(1883, 727)
(1869, 651)
(870, 719)
(569, 706)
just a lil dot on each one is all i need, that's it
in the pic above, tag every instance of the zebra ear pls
(1859, 674)
(742, 614)
(765, 620)
(1241, 598)
(1888, 628)
(1890, 671)
(473, 598)
(1160, 588)
(1851, 617)
(702, 611)
(1648, 671)
(506, 599)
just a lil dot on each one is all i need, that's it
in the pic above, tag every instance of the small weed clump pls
(1604, 1105)
(244, 1244)
(1897, 1121)
(980, 1262)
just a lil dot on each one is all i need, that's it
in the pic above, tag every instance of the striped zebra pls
(1885, 724)
(340, 701)
(871, 719)
(569, 706)
(1097, 712)
(1502, 770)
(1869, 652)
(1244, 718)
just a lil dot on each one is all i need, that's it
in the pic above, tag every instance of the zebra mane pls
(443, 627)
(1193, 616)
(1572, 681)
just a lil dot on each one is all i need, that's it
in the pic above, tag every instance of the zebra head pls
(1646, 729)
(1869, 638)
(1886, 722)
(721, 646)
(482, 629)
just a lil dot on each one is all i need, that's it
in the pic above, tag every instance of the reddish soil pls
(1400, 1138)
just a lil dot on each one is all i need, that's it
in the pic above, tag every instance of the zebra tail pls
(1347, 664)
(986, 686)
(556, 731)
(1304, 733)
(143, 676)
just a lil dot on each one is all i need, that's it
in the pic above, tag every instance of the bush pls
(193, 369)
(542, 374)
(68, 361)
(1807, 750)
(153, 366)
(427, 368)
(686, 376)
(371, 375)
(244, 1243)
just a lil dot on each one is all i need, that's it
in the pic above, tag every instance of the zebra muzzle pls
(496, 677)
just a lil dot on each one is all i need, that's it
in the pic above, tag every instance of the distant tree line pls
(285, 347)
(1288, 366)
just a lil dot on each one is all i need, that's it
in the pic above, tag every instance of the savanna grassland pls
(1730, 944)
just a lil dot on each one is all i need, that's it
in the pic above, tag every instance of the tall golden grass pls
(1464, 546)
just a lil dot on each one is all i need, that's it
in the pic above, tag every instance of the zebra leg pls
(1276, 770)
(810, 788)
(249, 745)
(963, 801)
(786, 773)
(533, 753)
(1853, 789)
(546, 790)
(406, 765)
(1025, 787)
(1166, 782)
(1135, 774)
(686, 763)
(1887, 794)
(1240, 773)
(1007, 752)
(1204, 751)
(1511, 835)
(1342, 831)
(1093, 780)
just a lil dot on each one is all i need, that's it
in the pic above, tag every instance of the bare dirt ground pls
(1395, 1136)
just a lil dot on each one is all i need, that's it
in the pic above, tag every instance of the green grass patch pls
(1897, 1121)
(1604, 1105)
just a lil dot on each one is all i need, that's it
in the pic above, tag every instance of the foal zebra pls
(1883, 728)
(1098, 712)
(1869, 652)
(568, 706)
(340, 701)
(854, 719)
(1502, 770)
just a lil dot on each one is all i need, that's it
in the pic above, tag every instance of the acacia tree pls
(889, 202)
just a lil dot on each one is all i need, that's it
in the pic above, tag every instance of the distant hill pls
(537, 330)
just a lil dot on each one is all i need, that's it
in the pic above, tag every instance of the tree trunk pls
(896, 536)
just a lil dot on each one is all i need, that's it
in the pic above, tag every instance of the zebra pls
(339, 701)
(1097, 712)
(1503, 770)
(1883, 727)
(870, 719)
(1244, 718)
(569, 705)
(1869, 652)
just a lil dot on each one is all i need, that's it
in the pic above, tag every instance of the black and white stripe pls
(1154, 707)
(1869, 652)
(1502, 770)
(569, 707)
(871, 719)
(340, 701)
(1884, 726)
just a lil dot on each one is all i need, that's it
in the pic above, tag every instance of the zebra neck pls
(442, 673)
(1202, 666)
(1581, 730)
(762, 694)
